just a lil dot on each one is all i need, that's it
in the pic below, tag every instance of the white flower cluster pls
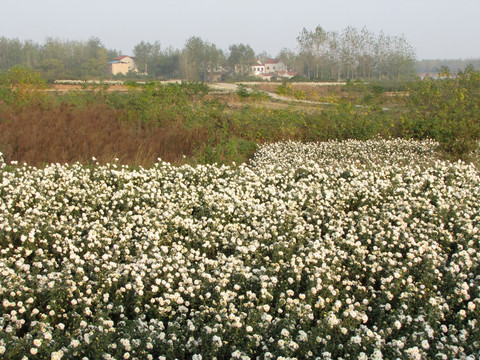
(360, 250)
(361, 153)
(90, 82)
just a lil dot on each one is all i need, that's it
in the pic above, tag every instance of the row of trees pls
(199, 60)
(57, 58)
(429, 66)
(351, 54)
(321, 55)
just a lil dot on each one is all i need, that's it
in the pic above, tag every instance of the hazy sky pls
(435, 28)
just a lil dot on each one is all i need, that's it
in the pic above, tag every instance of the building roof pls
(272, 61)
(123, 57)
(287, 73)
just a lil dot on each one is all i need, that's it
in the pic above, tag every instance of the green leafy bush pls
(290, 91)
(19, 86)
(446, 109)
(244, 93)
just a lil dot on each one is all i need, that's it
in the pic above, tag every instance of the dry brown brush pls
(40, 134)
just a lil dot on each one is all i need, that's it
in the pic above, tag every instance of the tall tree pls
(319, 44)
(97, 60)
(306, 51)
(10, 53)
(169, 63)
(334, 55)
(352, 53)
(314, 46)
(240, 59)
(199, 59)
(403, 58)
(147, 56)
(288, 57)
(263, 56)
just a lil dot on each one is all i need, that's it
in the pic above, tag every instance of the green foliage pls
(288, 90)
(20, 85)
(240, 58)
(253, 94)
(242, 91)
(160, 103)
(151, 59)
(19, 76)
(226, 151)
(58, 59)
(446, 109)
(205, 129)
(200, 59)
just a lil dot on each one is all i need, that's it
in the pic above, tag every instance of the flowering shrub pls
(353, 250)
(91, 82)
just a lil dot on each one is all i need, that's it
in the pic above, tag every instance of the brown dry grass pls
(40, 135)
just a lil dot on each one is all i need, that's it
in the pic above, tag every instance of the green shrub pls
(446, 109)
(242, 91)
(21, 85)
(289, 91)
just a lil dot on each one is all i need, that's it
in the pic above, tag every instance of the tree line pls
(320, 55)
(434, 66)
(57, 59)
(351, 54)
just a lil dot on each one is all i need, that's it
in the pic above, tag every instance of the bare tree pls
(352, 54)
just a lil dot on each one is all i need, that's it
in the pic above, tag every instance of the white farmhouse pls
(122, 65)
(269, 69)
(258, 68)
(274, 66)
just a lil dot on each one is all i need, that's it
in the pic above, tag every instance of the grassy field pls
(195, 123)
(181, 122)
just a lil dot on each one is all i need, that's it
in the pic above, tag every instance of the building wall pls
(273, 67)
(120, 68)
(258, 69)
(122, 65)
(270, 67)
(130, 62)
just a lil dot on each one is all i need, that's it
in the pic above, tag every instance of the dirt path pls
(225, 88)
(229, 87)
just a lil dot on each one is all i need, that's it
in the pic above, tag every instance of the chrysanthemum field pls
(337, 250)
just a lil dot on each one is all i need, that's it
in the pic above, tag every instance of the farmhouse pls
(271, 68)
(258, 68)
(122, 65)
(274, 66)
(288, 74)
